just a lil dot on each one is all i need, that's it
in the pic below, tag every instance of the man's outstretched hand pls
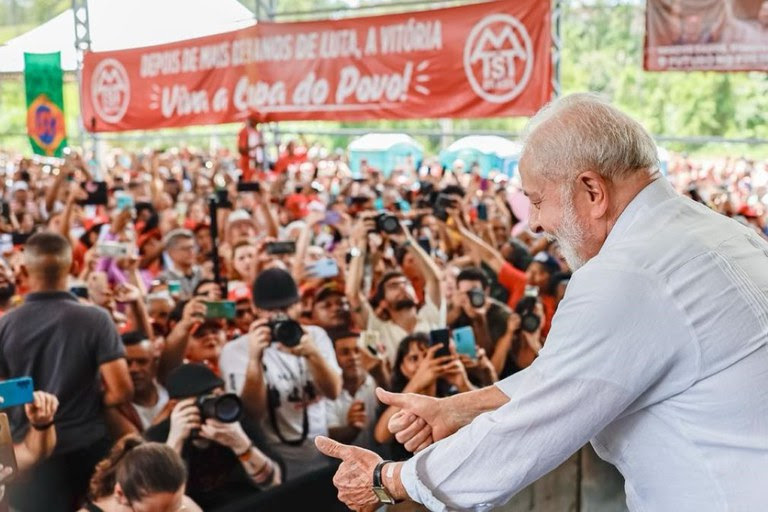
(421, 421)
(354, 478)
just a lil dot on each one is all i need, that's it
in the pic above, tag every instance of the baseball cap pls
(192, 379)
(328, 290)
(274, 288)
(548, 261)
(239, 293)
(239, 216)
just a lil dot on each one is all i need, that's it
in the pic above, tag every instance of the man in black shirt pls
(72, 351)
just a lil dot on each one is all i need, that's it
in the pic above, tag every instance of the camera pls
(286, 331)
(476, 297)
(529, 320)
(387, 223)
(225, 408)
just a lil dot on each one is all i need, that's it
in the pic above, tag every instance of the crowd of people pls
(190, 332)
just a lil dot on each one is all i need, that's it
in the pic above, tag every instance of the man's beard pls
(404, 304)
(570, 234)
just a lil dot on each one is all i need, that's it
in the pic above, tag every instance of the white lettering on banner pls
(248, 96)
(160, 63)
(179, 101)
(262, 49)
(372, 88)
(311, 91)
(214, 56)
(339, 43)
(498, 42)
(411, 36)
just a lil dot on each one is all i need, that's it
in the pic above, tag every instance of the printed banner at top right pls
(698, 35)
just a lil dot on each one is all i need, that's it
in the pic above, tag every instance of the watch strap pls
(377, 473)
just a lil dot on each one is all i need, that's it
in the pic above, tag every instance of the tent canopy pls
(384, 151)
(489, 152)
(120, 25)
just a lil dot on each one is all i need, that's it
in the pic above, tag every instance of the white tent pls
(382, 141)
(117, 25)
(487, 144)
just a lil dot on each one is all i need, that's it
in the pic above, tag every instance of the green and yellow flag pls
(45, 103)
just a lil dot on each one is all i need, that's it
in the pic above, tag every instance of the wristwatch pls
(378, 487)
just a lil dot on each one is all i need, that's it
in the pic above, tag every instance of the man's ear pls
(120, 495)
(23, 270)
(594, 188)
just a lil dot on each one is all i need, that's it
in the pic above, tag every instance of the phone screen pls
(440, 337)
(220, 309)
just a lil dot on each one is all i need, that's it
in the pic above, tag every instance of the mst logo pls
(498, 58)
(110, 90)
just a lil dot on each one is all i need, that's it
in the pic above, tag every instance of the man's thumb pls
(331, 448)
(395, 399)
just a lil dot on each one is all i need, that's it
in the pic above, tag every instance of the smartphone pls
(371, 341)
(324, 268)
(332, 217)
(110, 249)
(20, 238)
(220, 309)
(6, 243)
(79, 291)
(440, 337)
(464, 337)
(15, 392)
(124, 201)
(248, 186)
(286, 247)
(482, 211)
(97, 193)
(174, 287)
(7, 455)
(424, 243)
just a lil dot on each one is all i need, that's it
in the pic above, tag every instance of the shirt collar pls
(40, 296)
(655, 193)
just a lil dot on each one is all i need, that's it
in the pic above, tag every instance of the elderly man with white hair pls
(657, 354)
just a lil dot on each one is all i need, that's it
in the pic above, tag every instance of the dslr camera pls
(476, 297)
(285, 330)
(387, 223)
(226, 408)
(529, 320)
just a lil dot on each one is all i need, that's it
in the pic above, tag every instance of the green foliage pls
(602, 52)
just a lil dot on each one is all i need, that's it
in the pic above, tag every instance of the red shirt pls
(299, 155)
(514, 281)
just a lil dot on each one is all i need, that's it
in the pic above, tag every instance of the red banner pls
(698, 35)
(482, 60)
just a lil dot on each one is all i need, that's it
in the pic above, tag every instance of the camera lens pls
(286, 331)
(226, 408)
(387, 223)
(476, 297)
(530, 322)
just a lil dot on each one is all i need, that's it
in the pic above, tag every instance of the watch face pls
(383, 496)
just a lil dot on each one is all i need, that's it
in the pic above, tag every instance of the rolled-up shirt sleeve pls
(607, 355)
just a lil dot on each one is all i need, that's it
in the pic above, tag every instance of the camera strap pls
(273, 402)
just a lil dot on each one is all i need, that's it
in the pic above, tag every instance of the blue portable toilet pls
(488, 151)
(663, 156)
(384, 151)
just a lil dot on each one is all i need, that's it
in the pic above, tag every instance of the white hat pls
(20, 185)
(239, 216)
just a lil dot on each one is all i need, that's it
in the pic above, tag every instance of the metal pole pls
(82, 45)
(557, 11)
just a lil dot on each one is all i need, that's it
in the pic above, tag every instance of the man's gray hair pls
(583, 132)
(173, 238)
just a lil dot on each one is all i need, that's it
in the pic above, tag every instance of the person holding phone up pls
(39, 441)
(418, 369)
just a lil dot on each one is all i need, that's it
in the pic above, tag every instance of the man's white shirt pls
(287, 374)
(657, 355)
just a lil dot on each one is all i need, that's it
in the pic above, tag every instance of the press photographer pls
(283, 371)
(224, 462)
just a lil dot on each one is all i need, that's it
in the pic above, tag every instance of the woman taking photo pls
(140, 476)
